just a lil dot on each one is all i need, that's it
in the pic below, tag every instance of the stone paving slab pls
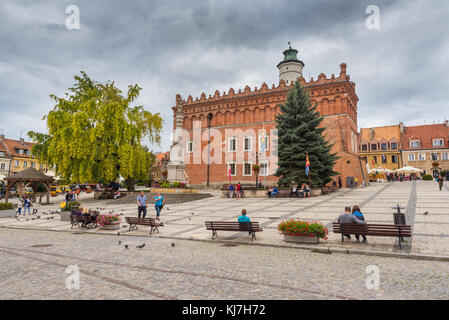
(431, 230)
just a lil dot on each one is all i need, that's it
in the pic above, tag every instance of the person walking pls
(158, 205)
(142, 205)
(359, 215)
(231, 190)
(339, 182)
(239, 191)
(440, 181)
(27, 205)
(19, 206)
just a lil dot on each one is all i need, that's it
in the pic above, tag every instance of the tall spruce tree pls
(298, 135)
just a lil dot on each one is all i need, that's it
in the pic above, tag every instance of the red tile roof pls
(161, 156)
(426, 134)
(13, 146)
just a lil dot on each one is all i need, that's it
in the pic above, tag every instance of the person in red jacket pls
(239, 191)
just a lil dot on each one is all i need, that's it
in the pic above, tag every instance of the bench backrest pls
(232, 226)
(141, 221)
(373, 229)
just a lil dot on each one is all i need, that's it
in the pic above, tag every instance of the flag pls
(263, 143)
(229, 174)
(307, 165)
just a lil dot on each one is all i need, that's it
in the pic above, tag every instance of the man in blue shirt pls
(142, 204)
(243, 217)
(159, 204)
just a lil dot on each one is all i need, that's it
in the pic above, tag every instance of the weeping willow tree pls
(94, 134)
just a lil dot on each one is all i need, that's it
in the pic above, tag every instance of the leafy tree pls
(299, 135)
(94, 134)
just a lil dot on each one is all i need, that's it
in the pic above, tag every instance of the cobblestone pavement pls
(186, 220)
(200, 270)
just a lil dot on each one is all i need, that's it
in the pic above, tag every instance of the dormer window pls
(415, 143)
(438, 142)
(394, 145)
(2, 154)
(384, 146)
(20, 151)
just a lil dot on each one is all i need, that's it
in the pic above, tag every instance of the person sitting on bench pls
(306, 191)
(244, 219)
(359, 215)
(270, 191)
(275, 192)
(347, 217)
(294, 191)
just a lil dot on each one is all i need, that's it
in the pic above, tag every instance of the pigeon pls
(192, 213)
(126, 246)
(190, 219)
(173, 244)
(426, 213)
(141, 246)
(118, 233)
(38, 217)
(119, 242)
(168, 208)
(33, 218)
(124, 226)
(121, 214)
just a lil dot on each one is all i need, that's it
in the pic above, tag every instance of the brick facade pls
(249, 113)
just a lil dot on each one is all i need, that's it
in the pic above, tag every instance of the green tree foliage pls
(94, 134)
(299, 134)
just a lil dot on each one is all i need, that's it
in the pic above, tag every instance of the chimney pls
(446, 123)
(401, 127)
(22, 141)
(2, 136)
(342, 69)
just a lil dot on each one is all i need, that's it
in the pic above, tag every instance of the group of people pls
(142, 205)
(303, 192)
(353, 216)
(84, 211)
(24, 203)
(238, 191)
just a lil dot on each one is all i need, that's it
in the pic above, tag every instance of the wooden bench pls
(376, 230)
(151, 222)
(251, 227)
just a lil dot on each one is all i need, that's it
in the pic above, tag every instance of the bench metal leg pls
(253, 236)
(214, 234)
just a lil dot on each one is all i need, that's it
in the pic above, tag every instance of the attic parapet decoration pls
(264, 88)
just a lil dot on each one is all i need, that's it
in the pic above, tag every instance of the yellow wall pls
(389, 165)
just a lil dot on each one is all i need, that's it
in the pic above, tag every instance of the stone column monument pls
(176, 166)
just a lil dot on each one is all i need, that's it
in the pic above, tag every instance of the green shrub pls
(5, 206)
(70, 205)
(176, 184)
(427, 177)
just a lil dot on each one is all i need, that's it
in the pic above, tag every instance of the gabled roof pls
(29, 174)
(380, 133)
(12, 147)
(425, 133)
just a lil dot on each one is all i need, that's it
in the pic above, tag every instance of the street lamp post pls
(209, 119)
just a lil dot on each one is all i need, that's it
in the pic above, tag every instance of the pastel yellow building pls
(380, 147)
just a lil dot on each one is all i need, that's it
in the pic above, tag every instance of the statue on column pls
(176, 166)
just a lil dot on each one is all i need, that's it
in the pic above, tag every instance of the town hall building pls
(241, 129)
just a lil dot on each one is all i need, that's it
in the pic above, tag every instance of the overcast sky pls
(187, 47)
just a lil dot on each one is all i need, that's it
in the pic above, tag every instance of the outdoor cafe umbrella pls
(380, 170)
(408, 169)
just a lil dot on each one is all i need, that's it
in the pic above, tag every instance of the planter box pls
(65, 215)
(173, 190)
(8, 213)
(301, 239)
(114, 226)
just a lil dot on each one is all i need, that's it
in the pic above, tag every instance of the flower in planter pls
(303, 228)
(108, 219)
